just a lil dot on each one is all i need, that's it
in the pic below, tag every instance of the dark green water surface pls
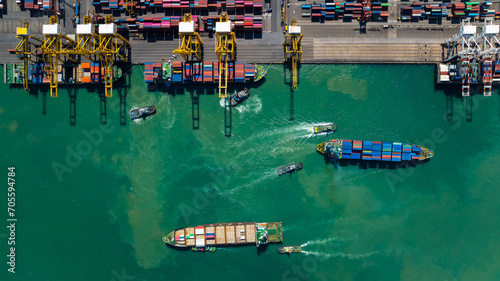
(93, 201)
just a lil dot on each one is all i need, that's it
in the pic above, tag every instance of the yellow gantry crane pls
(190, 43)
(293, 49)
(225, 48)
(56, 44)
(130, 7)
(87, 39)
(26, 50)
(111, 46)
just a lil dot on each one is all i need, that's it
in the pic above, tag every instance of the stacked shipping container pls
(344, 10)
(208, 72)
(194, 6)
(379, 151)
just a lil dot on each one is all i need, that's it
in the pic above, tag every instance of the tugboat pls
(142, 112)
(203, 249)
(325, 128)
(290, 168)
(289, 249)
(240, 97)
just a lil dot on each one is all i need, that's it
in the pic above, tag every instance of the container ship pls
(226, 234)
(200, 72)
(373, 150)
(38, 73)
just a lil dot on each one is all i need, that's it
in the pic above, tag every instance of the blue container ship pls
(373, 150)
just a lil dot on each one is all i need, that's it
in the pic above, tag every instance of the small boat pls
(289, 249)
(325, 128)
(240, 97)
(142, 112)
(290, 168)
(203, 249)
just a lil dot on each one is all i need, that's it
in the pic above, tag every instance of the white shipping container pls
(199, 231)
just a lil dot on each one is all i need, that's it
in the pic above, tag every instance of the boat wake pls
(341, 255)
(252, 104)
(265, 176)
(323, 241)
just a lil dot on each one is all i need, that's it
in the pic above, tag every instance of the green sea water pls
(93, 201)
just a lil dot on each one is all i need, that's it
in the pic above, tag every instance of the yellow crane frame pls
(225, 43)
(109, 48)
(130, 7)
(52, 49)
(24, 50)
(293, 48)
(86, 43)
(190, 44)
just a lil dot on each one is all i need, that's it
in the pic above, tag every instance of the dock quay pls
(335, 41)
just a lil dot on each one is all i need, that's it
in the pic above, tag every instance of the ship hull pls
(326, 128)
(208, 72)
(142, 112)
(241, 95)
(289, 168)
(226, 234)
(373, 151)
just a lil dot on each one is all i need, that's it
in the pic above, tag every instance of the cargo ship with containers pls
(201, 72)
(225, 234)
(38, 73)
(373, 150)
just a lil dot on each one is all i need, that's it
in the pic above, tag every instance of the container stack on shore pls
(486, 12)
(195, 7)
(468, 9)
(346, 11)
(42, 5)
(418, 11)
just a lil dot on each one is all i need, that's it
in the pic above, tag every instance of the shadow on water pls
(453, 91)
(383, 165)
(287, 72)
